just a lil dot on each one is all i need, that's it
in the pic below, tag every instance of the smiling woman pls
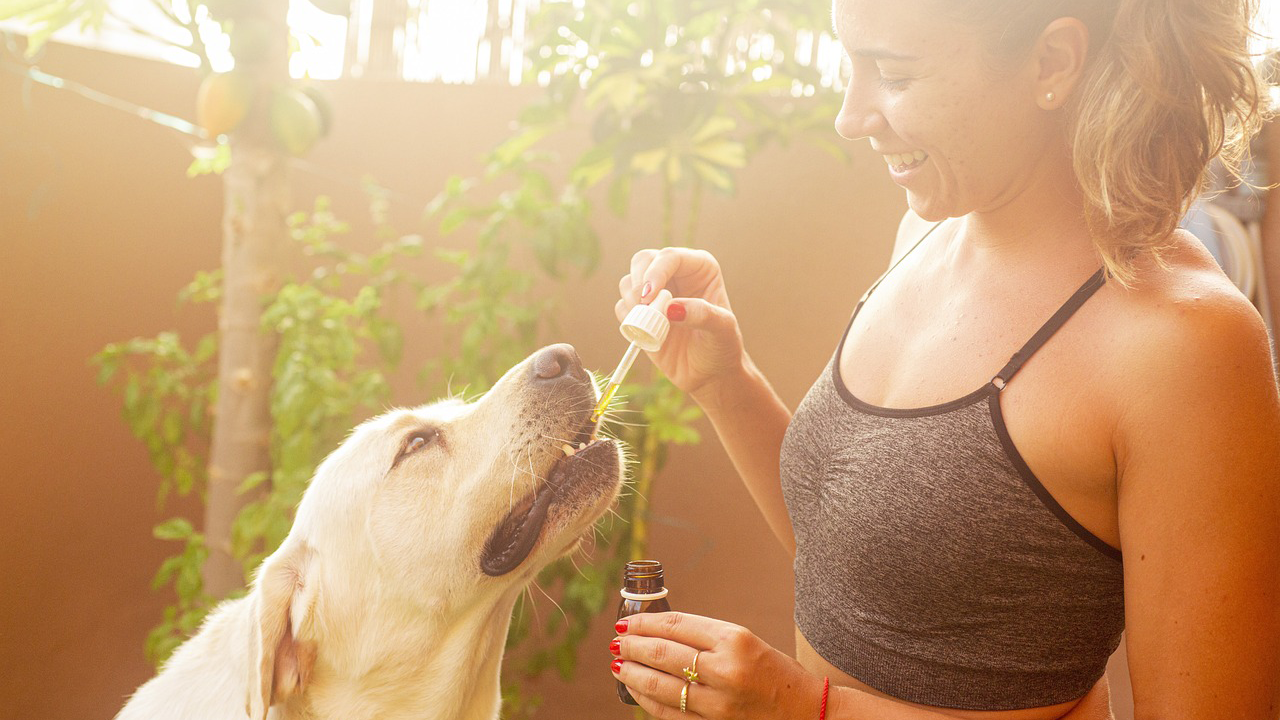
(1053, 419)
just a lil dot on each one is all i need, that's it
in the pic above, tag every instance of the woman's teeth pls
(904, 161)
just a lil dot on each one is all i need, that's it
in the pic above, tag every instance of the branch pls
(138, 30)
(169, 13)
(197, 43)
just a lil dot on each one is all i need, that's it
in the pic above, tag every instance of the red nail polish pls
(644, 291)
(675, 312)
(615, 647)
(621, 626)
(616, 666)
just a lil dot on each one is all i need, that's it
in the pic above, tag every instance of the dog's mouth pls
(586, 468)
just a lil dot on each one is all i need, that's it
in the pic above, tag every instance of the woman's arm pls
(1197, 448)
(740, 677)
(751, 420)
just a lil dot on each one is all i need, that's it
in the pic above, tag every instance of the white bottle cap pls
(647, 325)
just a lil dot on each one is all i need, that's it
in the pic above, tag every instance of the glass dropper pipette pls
(646, 327)
(615, 380)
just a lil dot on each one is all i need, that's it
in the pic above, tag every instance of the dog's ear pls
(281, 603)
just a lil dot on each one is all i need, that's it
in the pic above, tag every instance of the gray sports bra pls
(931, 564)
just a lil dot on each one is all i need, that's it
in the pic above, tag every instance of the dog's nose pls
(555, 361)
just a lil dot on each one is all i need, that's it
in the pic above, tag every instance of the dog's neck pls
(447, 668)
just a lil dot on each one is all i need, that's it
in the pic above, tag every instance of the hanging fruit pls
(295, 120)
(322, 104)
(222, 102)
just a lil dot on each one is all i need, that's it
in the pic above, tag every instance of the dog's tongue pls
(514, 538)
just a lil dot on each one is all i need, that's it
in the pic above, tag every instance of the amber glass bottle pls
(643, 590)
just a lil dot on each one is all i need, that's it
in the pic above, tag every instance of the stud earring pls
(1049, 96)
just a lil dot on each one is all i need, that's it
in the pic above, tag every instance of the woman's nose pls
(859, 116)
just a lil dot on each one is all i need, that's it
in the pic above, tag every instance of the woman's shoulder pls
(1183, 327)
(1181, 291)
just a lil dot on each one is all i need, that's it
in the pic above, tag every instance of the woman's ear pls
(1060, 56)
(281, 602)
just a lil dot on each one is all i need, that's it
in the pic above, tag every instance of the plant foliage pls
(675, 95)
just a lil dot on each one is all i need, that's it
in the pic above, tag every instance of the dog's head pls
(439, 506)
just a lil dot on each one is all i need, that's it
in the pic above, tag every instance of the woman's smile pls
(903, 165)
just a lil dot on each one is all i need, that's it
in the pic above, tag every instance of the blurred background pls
(330, 207)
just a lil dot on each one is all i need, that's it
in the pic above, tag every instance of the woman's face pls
(957, 132)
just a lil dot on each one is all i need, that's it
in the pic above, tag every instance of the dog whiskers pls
(564, 614)
(574, 562)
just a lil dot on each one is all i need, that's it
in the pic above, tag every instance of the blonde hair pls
(1169, 85)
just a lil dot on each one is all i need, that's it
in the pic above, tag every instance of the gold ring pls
(691, 672)
(684, 697)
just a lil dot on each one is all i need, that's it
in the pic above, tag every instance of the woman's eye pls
(894, 83)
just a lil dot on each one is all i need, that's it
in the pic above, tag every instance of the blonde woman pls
(1052, 419)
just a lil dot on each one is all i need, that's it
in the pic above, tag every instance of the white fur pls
(374, 606)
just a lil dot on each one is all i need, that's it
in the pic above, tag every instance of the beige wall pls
(98, 229)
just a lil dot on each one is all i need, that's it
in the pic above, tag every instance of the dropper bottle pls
(646, 326)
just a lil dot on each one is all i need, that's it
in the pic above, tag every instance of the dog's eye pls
(419, 440)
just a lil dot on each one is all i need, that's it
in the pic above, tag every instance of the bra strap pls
(876, 284)
(1046, 331)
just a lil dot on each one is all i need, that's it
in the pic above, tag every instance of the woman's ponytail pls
(1171, 87)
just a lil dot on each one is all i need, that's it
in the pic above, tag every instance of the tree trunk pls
(255, 234)
(386, 55)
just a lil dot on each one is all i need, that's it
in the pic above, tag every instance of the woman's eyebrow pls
(870, 53)
(882, 54)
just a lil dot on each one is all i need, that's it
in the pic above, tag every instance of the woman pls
(976, 553)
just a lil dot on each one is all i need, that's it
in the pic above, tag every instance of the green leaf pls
(593, 166)
(620, 194)
(107, 367)
(509, 151)
(177, 528)
(566, 661)
(251, 481)
(166, 572)
(650, 161)
(188, 583)
(206, 348)
(729, 153)
(171, 427)
(454, 220)
(10, 9)
(717, 177)
(184, 479)
(715, 125)
(211, 164)
(453, 257)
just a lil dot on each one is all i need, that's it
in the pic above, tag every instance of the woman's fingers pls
(669, 657)
(640, 263)
(666, 712)
(659, 693)
(653, 270)
(702, 315)
(696, 631)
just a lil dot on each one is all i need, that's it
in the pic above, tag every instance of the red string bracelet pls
(826, 686)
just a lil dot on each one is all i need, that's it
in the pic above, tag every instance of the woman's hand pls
(738, 675)
(704, 343)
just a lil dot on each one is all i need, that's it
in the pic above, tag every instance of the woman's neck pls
(1043, 222)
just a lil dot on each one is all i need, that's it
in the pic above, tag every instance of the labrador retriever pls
(392, 594)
